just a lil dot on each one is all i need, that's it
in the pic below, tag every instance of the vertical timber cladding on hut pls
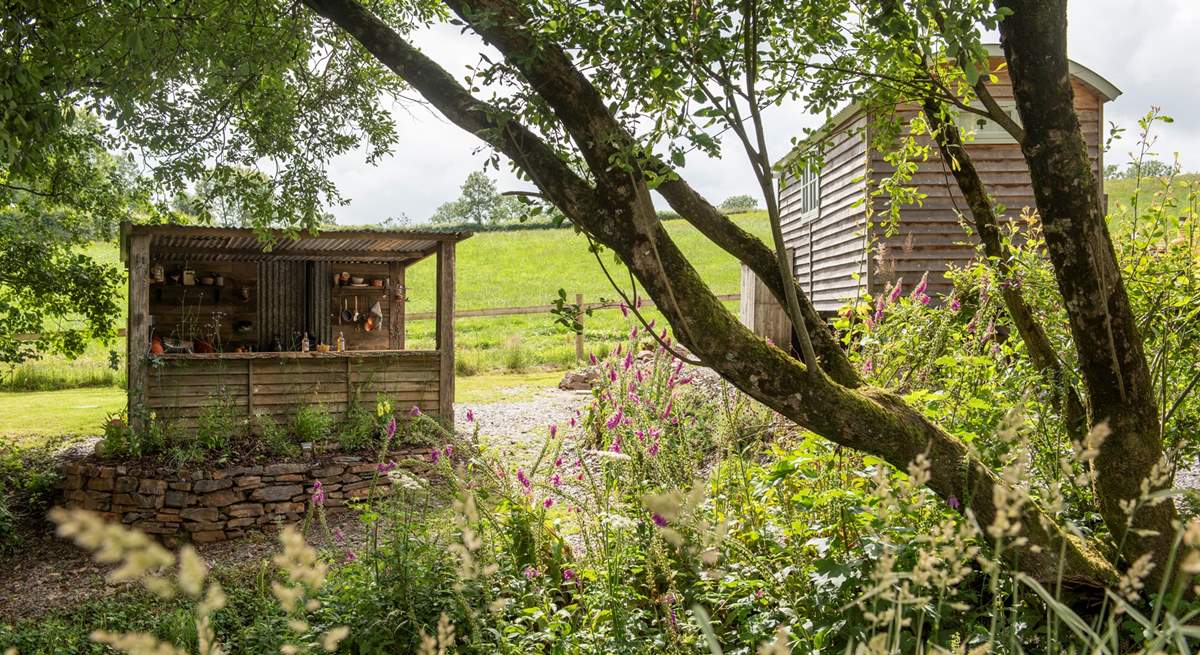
(281, 311)
(138, 327)
(445, 330)
(319, 300)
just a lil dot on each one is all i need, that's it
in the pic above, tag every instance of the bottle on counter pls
(341, 342)
(304, 343)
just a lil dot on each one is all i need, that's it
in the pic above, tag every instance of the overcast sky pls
(1144, 47)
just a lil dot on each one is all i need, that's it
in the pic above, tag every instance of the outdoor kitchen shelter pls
(265, 324)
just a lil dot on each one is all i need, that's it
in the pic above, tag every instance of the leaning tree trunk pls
(616, 210)
(1114, 368)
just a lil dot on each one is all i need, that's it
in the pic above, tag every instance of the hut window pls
(985, 130)
(809, 181)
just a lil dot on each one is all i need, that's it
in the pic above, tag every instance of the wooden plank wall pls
(180, 389)
(930, 237)
(281, 302)
(357, 338)
(762, 313)
(175, 306)
(318, 312)
(828, 250)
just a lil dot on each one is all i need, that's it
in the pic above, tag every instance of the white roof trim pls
(1107, 90)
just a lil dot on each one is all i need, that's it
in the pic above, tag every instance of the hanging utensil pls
(346, 316)
(376, 310)
(356, 314)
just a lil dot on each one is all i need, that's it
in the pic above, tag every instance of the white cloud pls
(1141, 46)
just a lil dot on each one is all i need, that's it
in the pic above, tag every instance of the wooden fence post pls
(579, 334)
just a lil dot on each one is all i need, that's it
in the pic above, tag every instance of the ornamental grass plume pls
(142, 559)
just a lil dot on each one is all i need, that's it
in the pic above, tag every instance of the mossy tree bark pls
(614, 208)
(1111, 358)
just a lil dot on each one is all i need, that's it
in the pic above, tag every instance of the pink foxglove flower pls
(470, 416)
(391, 428)
(415, 411)
(553, 430)
(548, 503)
(624, 309)
(318, 493)
(896, 290)
(628, 361)
(435, 455)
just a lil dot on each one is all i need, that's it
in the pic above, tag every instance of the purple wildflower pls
(633, 333)
(385, 467)
(639, 302)
(953, 502)
(868, 366)
(531, 573)
(568, 574)
(351, 556)
(470, 416)
(572, 422)
(318, 493)
(919, 290)
(548, 503)
(435, 455)
(615, 419)
(555, 480)
(524, 480)
(653, 449)
(612, 375)
(339, 536)
(659, 520)
(896, 290)
(616, 445)
(553, 430)
(650, 325)
(624, 309)
(955, 304)
(628, 361)
(592, 359)
(447, 451)
(391, 428)
(414, 412)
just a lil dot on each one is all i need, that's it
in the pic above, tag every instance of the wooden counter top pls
(352, 354)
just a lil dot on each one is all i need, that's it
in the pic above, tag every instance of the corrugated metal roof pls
(236, 244)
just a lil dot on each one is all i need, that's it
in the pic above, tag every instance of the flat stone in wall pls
(220, 503)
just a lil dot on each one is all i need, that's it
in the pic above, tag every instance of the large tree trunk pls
(1114, 368)
(617, 212)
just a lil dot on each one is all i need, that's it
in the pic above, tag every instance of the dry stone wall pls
(219, 503)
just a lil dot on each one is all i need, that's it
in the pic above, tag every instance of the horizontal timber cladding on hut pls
(836, 258)
(207, 505)
(218, 316)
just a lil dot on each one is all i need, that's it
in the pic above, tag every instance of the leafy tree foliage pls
(740, 203)
(479, 204)
(53, 298)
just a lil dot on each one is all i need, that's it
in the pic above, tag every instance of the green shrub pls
(312, 424)
(359, 429)
(218, 428)
(275, 437)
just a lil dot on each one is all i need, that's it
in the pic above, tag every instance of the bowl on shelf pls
(356, 281)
